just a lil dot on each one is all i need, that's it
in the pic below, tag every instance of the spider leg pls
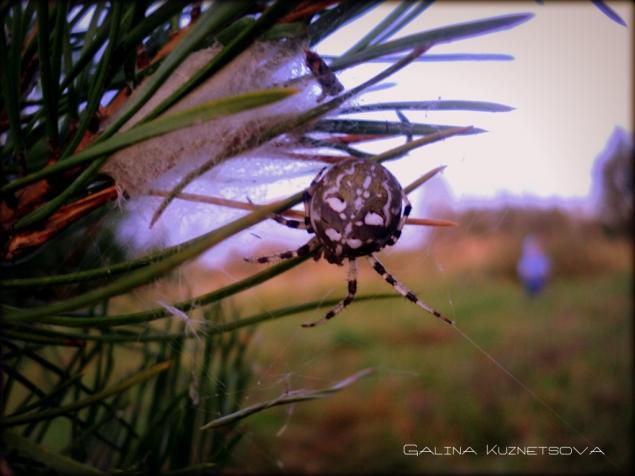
(403, 290)
(308, 194)
(307, 208)
(304, 250)
(352, 289)
(406, 212)
(289, 222)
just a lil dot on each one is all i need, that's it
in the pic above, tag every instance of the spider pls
(354, 208)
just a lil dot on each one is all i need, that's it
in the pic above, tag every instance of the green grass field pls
(431, 387)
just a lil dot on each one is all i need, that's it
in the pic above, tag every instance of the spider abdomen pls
(355, 209)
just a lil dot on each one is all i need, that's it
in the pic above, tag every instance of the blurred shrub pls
(614, 180)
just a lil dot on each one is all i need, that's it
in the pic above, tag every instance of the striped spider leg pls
(306, 225)
(308, 196)
(403, 290)
(339, 307)
(290, 222)
(402, 221)
(307, 249)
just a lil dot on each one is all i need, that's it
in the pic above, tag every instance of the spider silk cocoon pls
(263, 65)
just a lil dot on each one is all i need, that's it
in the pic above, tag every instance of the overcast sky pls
(570, 83)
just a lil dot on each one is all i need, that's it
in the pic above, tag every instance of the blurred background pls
(538, 270)
(556, 170)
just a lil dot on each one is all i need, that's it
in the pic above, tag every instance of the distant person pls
(533, 266)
